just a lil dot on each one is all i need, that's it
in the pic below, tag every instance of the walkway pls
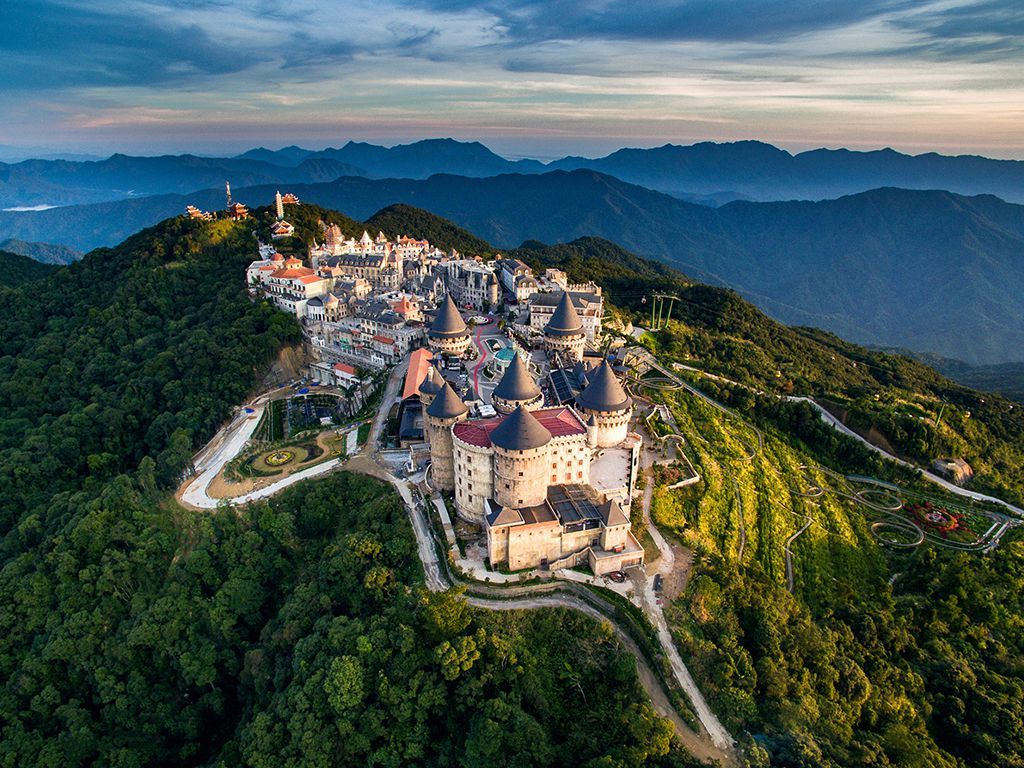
(693, 742)
(930, 477)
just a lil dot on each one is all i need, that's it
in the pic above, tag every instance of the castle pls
(525, 474)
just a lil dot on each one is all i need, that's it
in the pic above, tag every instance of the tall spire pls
(517, 384)
(565, 321)
(448, 322)
(447, 404)
(520, 431)
(604, 393)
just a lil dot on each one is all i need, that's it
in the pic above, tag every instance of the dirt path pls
(694, 743)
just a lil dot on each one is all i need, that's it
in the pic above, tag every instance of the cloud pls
(689, 69)
(53, 45)
(524, 21)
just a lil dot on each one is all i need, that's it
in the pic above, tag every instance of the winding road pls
(717, 745)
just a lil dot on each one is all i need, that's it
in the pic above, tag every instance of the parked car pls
(617, 576)
(657, 582)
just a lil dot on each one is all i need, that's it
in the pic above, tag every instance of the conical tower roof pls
(431, 383)
(447, 404)
(565, 321)
(448, 323)
(604, 392)
(517, 383)
(520, 431)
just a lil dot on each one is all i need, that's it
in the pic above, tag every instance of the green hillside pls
(295, 632)
(397, 220)
(47, 253)
(877, 657)
(16, 270)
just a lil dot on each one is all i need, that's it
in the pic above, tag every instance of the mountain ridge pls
(709, 173)
(928, 270)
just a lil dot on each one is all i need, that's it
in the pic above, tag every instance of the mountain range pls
(707, 173)
(930, 271)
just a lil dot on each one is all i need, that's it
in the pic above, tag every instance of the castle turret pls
(520, 460)
(445, 410)
(448, 333)
(516, 387)
(605, 404)
(564, 332)
(430, 386)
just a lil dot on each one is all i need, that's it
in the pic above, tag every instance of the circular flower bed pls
(938, 519)
(279, 458)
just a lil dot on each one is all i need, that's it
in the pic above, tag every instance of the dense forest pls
(295, 632)
(397, 220)
(16, 270)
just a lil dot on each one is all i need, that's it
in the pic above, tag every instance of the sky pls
(536, 78)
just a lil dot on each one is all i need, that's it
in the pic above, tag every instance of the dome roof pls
(517, 383)
(520, 431)
(430, 384)
(604, 392)
(565, 321)
(446, 405)
(448, 323)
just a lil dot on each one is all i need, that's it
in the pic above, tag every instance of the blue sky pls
(526, 77)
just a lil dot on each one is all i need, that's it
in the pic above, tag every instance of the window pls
(520, 474)
(579, 475)
(554, 478)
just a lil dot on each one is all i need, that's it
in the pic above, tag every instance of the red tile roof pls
(345, 368)
(419, 364)
(559, 422)
(384, 339)
(294, 272)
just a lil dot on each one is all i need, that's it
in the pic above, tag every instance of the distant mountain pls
(707, 173)
(46, 253)
(759, 171)
(925, 270)
(422, 159)
(285, 156)
(60, 182)
(1005, 378)
(16, 270)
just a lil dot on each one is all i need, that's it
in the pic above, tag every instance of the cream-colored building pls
(445, 411)
(516, 388)
(572, 526)
(448, 333)
(563, 334)
(605, 405)
(525, 476)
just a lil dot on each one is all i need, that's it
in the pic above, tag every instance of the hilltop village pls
(506, 399)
